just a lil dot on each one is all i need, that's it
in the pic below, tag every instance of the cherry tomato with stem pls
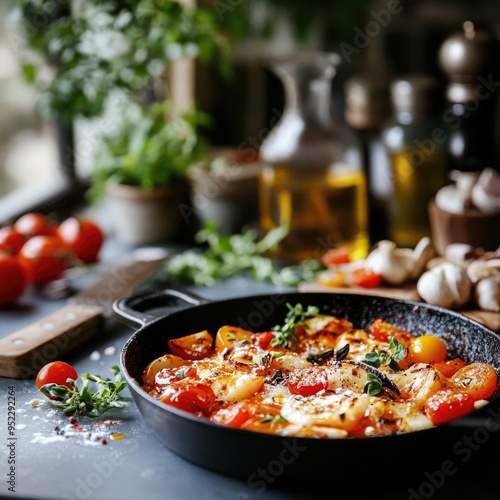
(445, 406)
(13, 279)
(83, 236)
(479, 380)
(56, 372)
(35, 224)
(45, 258)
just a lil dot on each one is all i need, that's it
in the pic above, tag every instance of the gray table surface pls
(48, 466)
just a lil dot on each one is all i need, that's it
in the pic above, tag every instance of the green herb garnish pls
(374, 386)
(285, 335)
(389, 357)
(270, 419)
(84, 401)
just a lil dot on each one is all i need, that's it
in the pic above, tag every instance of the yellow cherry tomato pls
(332, 277)
(427, 348)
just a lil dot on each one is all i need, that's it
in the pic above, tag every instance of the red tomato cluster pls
(37, 250)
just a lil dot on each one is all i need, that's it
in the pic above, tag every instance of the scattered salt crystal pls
(95, 356)
(38, 437)
(20, 427)
(36, 417)
(110, 351)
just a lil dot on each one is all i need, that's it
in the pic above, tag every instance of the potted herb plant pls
(141, 173)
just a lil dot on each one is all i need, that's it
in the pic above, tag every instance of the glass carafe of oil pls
(312, 181)
(414, 141)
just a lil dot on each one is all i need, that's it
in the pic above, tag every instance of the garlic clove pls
(446, 285)
(421, 255)
(487, 293)
(479, 269)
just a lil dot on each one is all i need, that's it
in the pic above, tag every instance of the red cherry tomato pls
(263, 339)
(13, 279)
(190, 397)
(382, 330)
(35, 224)
(234, 416)
(83, 236)
(479, 380)
(11, 241)
(336, 256)
(56, 372)
(194, 346)
(307, 381)
(449, 367)
(45, 258)
(365, 279)
(445, 406)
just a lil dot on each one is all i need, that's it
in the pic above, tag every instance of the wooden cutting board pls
(408, 292)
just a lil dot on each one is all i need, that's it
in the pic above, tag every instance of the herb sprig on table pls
(85, 401)
(226, 256)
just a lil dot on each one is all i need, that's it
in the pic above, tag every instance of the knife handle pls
(24, 352)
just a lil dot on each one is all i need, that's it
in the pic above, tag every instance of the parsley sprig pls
(390, 357)
(84, 401)
(286, 335)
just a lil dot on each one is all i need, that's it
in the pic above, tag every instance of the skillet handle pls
(132, 308)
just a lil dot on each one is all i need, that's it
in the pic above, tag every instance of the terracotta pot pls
(140, 216)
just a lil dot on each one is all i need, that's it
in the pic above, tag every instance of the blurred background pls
(241, 105)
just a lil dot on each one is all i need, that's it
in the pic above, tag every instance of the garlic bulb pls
(487, 293)
(393, 265)
(479, 269)
(446, 285)
(455, 199)
(486, 193)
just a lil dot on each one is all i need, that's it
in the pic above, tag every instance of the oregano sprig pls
(286, 335)
(390, 357)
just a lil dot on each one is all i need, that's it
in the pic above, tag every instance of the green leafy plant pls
(227, 256)
(286, 335)
(390, 357)
(85, 401)
(97, 46)
(374, 386)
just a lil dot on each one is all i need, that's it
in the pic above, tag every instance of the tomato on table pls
(427, 348)
(336, 256)
(307, 381)
(195, 346)
(56, 372)
(189, 397)
(45, 258)
(445, 406)
(13, 279)
(83, 236)
(479, 380)
(365, 278)
(234, 416)
(35, 224)
(11, 241)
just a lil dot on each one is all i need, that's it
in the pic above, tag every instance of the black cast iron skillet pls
(275, 459)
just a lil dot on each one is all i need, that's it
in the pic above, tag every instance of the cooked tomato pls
(445, 406)
(234, 416)
(11, 241)
(190, 397)
(479, 380)
(382, 330)
(45, 258)
(307, 381)
(427, 348)
(12, 279)
(336, 256)
(195, 346)
(449, 367)
(83, 236)
(263, 339)
(365, 279)
(35, 224)
(56, 372)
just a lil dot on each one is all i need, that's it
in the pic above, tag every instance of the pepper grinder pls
(468, 58)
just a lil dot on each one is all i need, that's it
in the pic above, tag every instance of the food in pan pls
(319, 376)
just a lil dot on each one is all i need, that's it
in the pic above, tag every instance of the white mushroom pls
(487, 293)
(446, 285)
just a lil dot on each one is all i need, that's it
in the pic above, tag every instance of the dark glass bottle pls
(469, 58)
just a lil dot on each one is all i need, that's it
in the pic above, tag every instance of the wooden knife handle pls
(24, 352)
